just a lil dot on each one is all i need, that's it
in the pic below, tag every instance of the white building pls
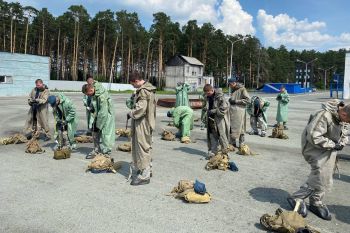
(185, 69)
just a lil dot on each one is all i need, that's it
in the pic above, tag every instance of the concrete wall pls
(24, 70)
(76, 86)
(346, 93)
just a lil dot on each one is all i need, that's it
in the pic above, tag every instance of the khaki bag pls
(285, 222)
(168, 136)
(245, 150)
(182, 186)
(277, 132)
(84, 139)
(126, 147)
(219, 161)
(103, 163)
(63, 153)
(14, 139)
(33, 147)
(193, 197)
(123, 132)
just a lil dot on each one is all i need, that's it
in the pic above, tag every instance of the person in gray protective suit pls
(325, 134)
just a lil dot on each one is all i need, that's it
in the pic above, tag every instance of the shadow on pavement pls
(271, 195)
(124, 170)
(342, 213)
(191, 151)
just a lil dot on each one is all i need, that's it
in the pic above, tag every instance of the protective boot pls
(143, 177)
(321, 211)
(92, 154)
(47, 136)
(302, 209)
(262, 133)
(241, 140)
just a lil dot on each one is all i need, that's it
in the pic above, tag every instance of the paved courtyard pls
(40, 194)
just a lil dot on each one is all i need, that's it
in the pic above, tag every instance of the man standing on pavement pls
(218, 120)
(282, 108)
(65, 117)
(87, 104)
(238, 101)
(143, 117)
(38, 113)
(103, 125)
(325, 134)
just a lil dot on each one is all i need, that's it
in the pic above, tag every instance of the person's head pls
(208, 90)
(232, 82)
(39, 84)
(88, 89)
(136, 79)
(53, 100)
(344, 112)
(282, 89)
(89, 79)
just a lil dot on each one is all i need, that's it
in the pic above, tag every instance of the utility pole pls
(325, 75)
(232, 42)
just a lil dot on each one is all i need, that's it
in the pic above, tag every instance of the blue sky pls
(298, 24)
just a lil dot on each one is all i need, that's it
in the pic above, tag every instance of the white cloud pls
(234, 19)
(298, 34)
(227, 15)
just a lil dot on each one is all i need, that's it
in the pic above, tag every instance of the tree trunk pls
(160, 60)
(76, 66)
(74, 50)
(63, 60)
(85, 64)
(26, 40)
(104, 68)
(113, 59)
(122, 61)
(94, 56)
(43, 41)
(97, 42)
(129, 58)
(4, 25)
(58, 54)
(11, 35)
(14, 39)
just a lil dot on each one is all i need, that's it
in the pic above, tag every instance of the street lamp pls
(325, 75)
(149, 44)
(233, 42)
(306, 71)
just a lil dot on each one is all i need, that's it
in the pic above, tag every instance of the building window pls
(187, 69)
(199, 81)
(6, 79)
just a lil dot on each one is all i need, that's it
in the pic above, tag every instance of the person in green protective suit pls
(103, 127)
(282, 107)
(87, 104)
(65, 117)
(183, 120)
(182, 90)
